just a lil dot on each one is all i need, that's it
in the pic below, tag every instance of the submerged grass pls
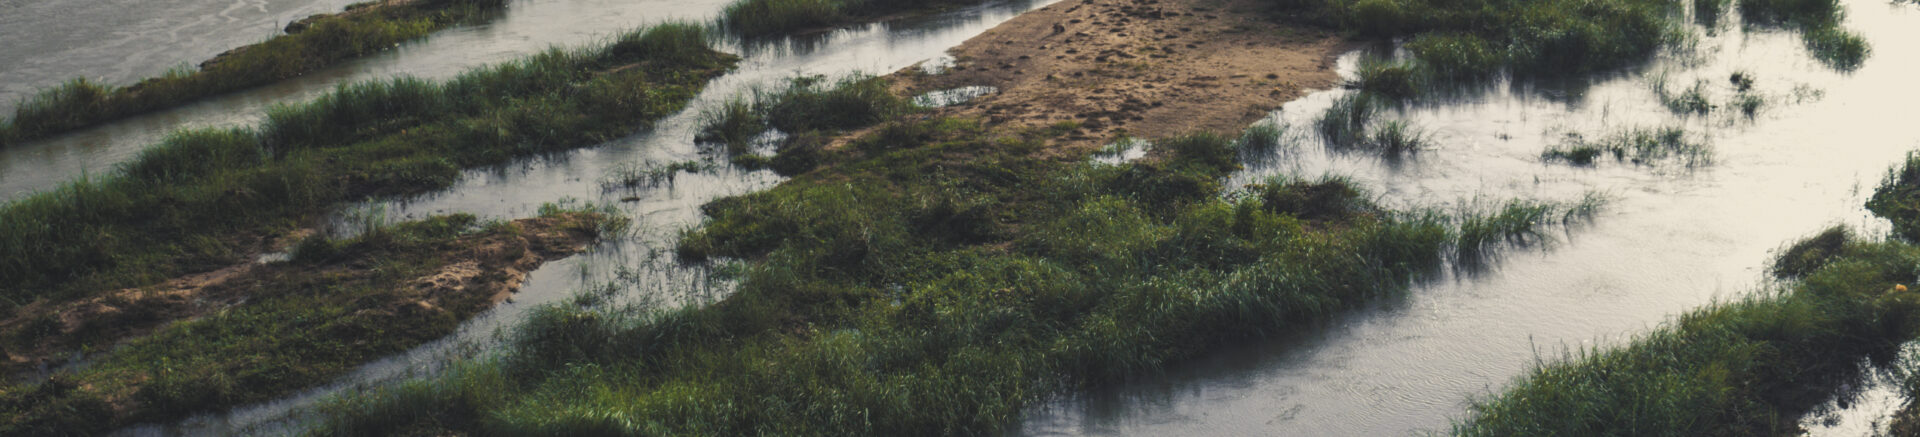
(202, 198)
(337, 304)
(308, 45)
(1349, 124)
(1641, 146)
(935, 277)
(807, 110)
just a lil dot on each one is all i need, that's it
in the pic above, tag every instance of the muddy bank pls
(1146, 69)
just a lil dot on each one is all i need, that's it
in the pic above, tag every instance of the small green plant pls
(1691, 101)
(1396, 138)
(635, 176)
(1810, 254)
(1345, 122)
(1897, 199)
(1388, 78)
(734, 123)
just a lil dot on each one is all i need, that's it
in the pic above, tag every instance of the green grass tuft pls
(1642, 146)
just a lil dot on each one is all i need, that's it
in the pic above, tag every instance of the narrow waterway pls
(1671, 239)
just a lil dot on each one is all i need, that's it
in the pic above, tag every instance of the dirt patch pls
(1145, 68)
(481, 269)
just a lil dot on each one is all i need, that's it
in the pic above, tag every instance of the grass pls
(1388, 78)
(309, 45)
(1641, 146)
(1751, 366)
(807, 110)
(1263, 142)
(1396, 138)
(769, 18)
(1810, 254)
(1898, 198)
(201, 199)
(733, 123)
(630, 176)
(1818, 22)
(1345, 122)
(1691, 101)
(936, 277)
(1518, 222)
(338, 304)
(1349, 124)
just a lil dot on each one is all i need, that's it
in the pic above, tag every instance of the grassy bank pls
(936, 276)
(204, 198)
(1752, 366)
(308, 45)
(768, 18)
(285, 326)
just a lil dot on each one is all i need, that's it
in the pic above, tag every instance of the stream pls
(1671, 238)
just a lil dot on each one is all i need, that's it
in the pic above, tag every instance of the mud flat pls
(1144, 69)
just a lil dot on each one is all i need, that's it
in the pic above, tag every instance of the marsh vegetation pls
(937, 275)
(308, 45)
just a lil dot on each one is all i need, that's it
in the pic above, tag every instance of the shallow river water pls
(1672, 238)
(1669, 240)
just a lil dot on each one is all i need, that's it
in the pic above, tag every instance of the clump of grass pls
(1346, 121)
(1349, 124)
(1838, 48)
(1388, 78)
(1804, 257)
(1457, 55)
(1818, 22)
(807, 110)
(1642, 146)
(733, 123)
(1262, 141)
(1518, 222)
(938, 286)
(1690, 101)
(310, 44)
(1897, 199)
(631, 176)
(1396, 138)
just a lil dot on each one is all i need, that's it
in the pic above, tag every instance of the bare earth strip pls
(1148, 69)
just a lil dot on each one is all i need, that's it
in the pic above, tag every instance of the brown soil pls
(481, 269)
(1145, 68)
